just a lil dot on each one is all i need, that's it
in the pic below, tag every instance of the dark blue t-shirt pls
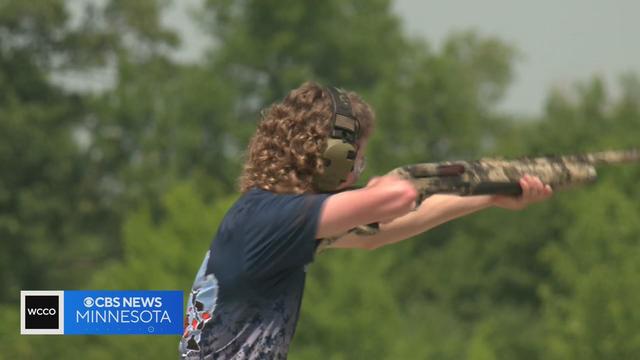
(246, 297)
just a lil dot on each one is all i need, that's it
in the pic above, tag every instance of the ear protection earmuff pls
(340, 154)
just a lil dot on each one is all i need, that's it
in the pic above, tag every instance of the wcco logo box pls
(42, 312)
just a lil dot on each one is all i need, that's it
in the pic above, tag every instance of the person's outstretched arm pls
(382, 199)
(438, 209)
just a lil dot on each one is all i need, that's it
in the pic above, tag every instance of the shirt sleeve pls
(281, 233)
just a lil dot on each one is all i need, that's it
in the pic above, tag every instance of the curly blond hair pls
(285, 153)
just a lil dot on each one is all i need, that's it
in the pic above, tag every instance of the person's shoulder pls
(246, 199)
(257, 199)
(256, 195)
(259, 194)
(241, 211)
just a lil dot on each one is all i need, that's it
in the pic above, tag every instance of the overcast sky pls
(561, 41)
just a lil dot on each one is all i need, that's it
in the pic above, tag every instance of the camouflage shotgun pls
(499, 176)
(493, 176)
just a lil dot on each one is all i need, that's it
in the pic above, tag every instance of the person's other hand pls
(533, 191)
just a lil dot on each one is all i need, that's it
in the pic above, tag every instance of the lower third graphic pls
(157, 312)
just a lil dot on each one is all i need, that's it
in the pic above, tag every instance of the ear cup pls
(339, 158)
(340, 154)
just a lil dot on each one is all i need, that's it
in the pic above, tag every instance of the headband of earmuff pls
(340, 154)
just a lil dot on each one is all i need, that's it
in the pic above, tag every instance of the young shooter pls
(246, 296)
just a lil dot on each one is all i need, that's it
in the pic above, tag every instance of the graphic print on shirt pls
(202, 302)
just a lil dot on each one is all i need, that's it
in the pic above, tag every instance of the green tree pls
(52, 220)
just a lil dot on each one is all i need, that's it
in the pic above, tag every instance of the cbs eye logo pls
(41, 312)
